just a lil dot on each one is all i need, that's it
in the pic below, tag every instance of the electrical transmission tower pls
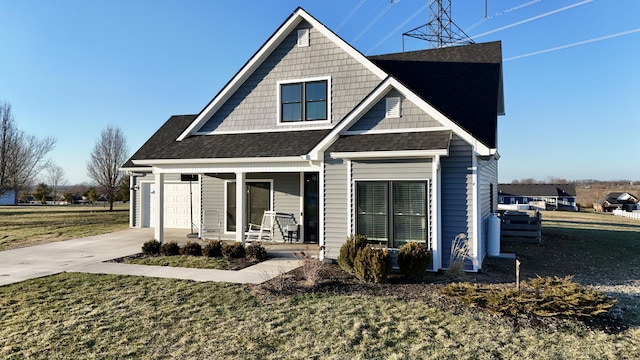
(440, 31)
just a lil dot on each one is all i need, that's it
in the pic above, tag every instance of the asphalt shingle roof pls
(428, 140)
(163, 144)
(537, 189)
(462, 82)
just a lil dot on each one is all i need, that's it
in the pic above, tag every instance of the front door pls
(311, 208)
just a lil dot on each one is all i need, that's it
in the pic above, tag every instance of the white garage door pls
(177, 208)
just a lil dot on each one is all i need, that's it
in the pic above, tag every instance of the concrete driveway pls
(41, 260)
(88, 255)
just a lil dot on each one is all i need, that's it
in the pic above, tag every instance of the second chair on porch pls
(264, 231)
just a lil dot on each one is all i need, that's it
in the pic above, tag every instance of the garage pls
(177, 207)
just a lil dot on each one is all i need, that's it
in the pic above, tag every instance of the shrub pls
(235, 250)
(372, 265)
(349, 250)
(461, 252)
(413, 259)
(311, 267)
(191, 248)
(151, 247)
(212, 249)
(540, 296)
(170, 248)
(256, 251)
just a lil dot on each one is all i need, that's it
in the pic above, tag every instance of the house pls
(538, 196)
(8, 198)
(398, 147)
(617, 201)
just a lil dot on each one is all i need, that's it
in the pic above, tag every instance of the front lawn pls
(26, 225)
(107, 316)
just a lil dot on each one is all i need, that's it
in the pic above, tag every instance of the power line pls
(501, 13)
(350, 15)
(375, 20)
(574, 44)
(533, 18)
(399, 27)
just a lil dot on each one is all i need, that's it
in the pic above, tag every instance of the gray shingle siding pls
(457, 195)
(254, 105)
(411, 117)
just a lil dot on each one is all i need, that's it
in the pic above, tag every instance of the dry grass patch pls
(105, 316)
(27, 225)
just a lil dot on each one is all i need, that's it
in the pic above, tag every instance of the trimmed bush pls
(256, 251)
(170, 248)
(372, 265)
(192, 249)
(349, 250)
(235, 250)
(413, 259)
(151, 247)
(212, 249)
(540, 296)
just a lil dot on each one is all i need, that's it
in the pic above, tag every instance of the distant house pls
(8, 198)
(617, 201)
(539, 196)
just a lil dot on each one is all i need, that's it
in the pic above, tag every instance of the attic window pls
(303, 37)
(393, 107)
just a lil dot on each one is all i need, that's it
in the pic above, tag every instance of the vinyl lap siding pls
(212, 193)
(335, 206)
(254, 105)
(457, 195)
(488, 176)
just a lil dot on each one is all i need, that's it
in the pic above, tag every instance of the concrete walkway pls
(88, 255)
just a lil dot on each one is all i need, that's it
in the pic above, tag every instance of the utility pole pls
(440, 31)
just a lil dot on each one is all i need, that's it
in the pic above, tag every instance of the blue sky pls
(571, 70)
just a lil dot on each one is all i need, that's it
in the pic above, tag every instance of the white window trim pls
(303, 37)
(353, 206)
(303, 123)
(224, 210)
(393, 107)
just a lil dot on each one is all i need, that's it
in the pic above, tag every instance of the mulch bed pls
(235, 263)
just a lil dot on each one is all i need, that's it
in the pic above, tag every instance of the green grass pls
(108, 316)
(186, 261)
(27, 225)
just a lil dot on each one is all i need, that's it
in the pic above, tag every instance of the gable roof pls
(462, 82)
(406, 141)
(532, 190)
(289, 25)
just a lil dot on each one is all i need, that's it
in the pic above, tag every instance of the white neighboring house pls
(8, 198)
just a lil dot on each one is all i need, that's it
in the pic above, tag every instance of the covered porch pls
(232, 196)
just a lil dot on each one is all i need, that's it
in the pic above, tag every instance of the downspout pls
(436, 210)
(476, 226)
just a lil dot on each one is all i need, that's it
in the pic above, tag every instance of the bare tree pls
(109, 153)
(55, 176)
(22, 156)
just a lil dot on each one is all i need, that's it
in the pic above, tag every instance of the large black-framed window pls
(303, 101)
(392, 213)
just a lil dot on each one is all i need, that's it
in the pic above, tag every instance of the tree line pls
(24, 157)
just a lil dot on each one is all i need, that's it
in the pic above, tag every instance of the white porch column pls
(159, 208)
(241, 194)
(132, 198)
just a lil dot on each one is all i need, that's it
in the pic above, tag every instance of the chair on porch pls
(264, 231)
